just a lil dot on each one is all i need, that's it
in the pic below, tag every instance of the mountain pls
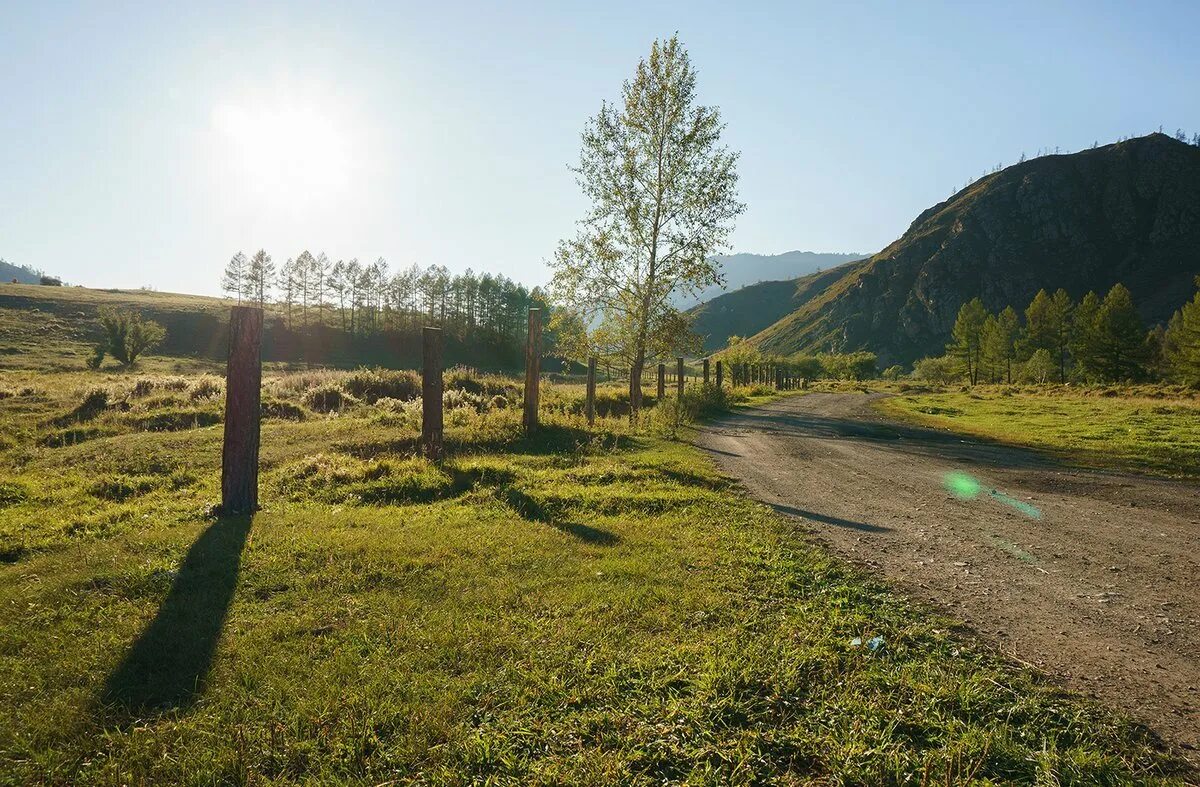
(746, 311)
(742, 270)
(23, 274)
(1127, 212)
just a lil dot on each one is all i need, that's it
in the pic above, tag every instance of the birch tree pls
(664, 197)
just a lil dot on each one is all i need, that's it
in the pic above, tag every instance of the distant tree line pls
(861, 365)
(313, 294)
(1060, 340)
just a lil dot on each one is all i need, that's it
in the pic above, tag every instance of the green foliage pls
(892, 373)
(849, 366)
(1039, 367)
(328, 399)
(1000, 333)
(808, 367)
(941, 370)
(126, 336)
(967, 346)
(1112, 338)
(663, 194)
(1181, 343)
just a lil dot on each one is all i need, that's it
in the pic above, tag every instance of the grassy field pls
(585, 606)
(1151, 428)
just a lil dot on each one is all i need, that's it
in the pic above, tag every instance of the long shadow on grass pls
(532, 510)
(829, 520)
(548, 439)
(167, 665)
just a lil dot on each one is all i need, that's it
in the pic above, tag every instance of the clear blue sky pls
(143, 144)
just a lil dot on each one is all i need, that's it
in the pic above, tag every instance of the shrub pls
(372, 384)
(207, 387)
(281, 409)
(893, 372)
(328, 399)
(126, 336)
(176, 420)
(95, 401)
(941, 370)
(142, 387)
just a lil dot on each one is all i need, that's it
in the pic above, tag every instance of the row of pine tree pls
(312, 290)
(1093, 340)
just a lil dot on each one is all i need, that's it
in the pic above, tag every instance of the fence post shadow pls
(167, 666)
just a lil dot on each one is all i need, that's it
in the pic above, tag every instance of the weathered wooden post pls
(590, 407)
(719, 375)
(778, 379)
(679, 377)
(533, 369)
(243, 399)
(705, 372)
(431, 393)
(662, 381)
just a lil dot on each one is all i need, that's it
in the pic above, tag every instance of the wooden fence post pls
(533, 370)
(243, 400)
(590, 407)
(706, 372)
(431, 393)
(679, 375)
(662, 381)
(719, 375)
(778, 379)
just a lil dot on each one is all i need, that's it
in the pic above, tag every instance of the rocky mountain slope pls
(744, 270)
(1127, 212)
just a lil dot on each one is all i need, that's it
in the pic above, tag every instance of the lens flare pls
(967, 487)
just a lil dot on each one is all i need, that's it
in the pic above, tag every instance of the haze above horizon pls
(142, 145)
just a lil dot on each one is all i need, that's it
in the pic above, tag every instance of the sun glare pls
(297, 150)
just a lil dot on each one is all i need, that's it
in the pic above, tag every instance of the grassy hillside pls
(1151, 429)
(54, 328)
(751, 309)
(587, 606)
(22, 275)
(1084, 221)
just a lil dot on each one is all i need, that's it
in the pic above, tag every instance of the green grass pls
(1149, 429)
(584, 606)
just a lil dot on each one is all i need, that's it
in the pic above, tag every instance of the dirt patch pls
(1086, 575)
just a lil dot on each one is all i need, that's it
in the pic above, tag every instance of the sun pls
(284, 150)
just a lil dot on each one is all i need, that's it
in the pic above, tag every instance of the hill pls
(56, 328)
(746, 311)
(23, 274)
(1127, 212)
(743, 270)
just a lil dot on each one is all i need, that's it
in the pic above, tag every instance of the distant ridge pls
(22, 273)
(1127, 212)
(745, 269)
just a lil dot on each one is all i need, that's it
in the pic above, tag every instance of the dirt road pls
(1103, 590)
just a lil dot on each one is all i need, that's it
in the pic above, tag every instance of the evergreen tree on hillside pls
(1048, 327)
(261, 277)
(1117, 335)
(1084, 337)
(233, 281)
(1181, 342)
(967, 344)
(287, 287)
(999, 342)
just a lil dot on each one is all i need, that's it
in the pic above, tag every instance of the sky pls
(144, 144)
